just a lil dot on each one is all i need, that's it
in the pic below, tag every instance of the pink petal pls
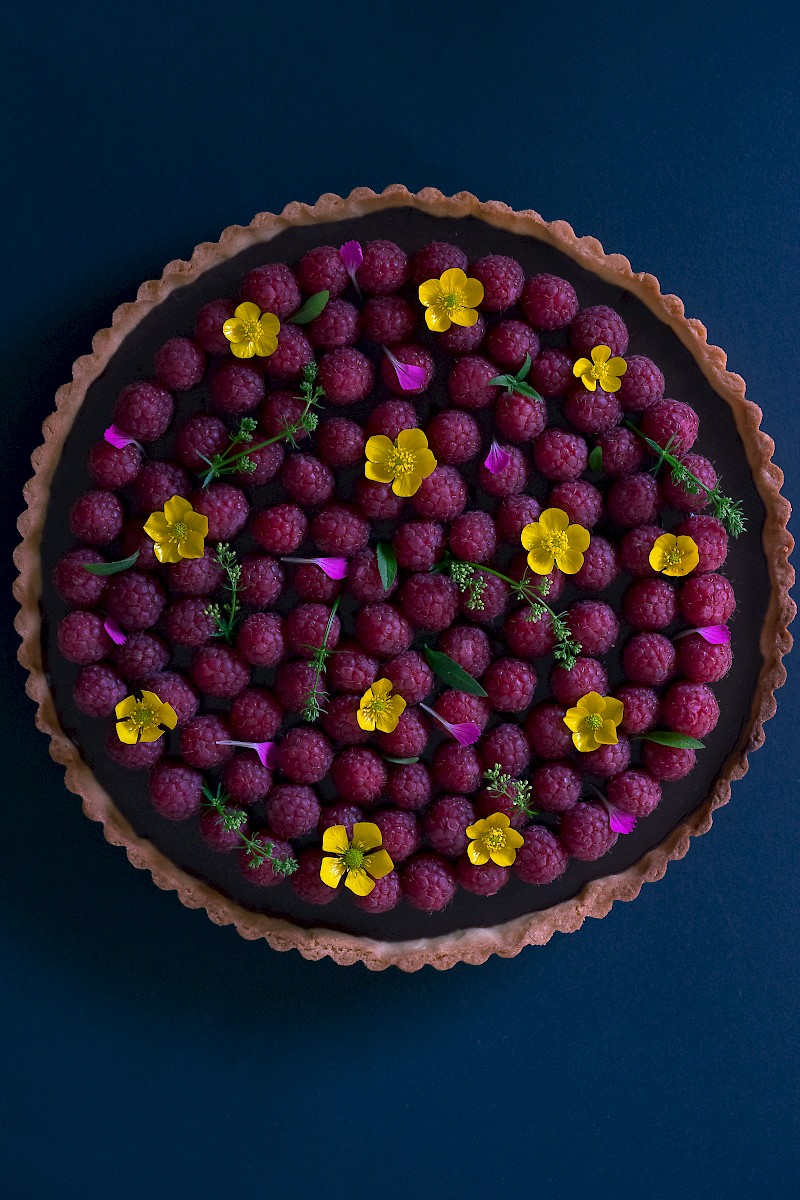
(717, 635)
(409, 377)
(267, 751)
(117, 437)
(466, 733)
(497, 459)
(334, 568)
(352, 256)
(619, 821)
(114, 632)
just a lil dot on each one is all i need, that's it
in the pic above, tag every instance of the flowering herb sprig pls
(237, 456)
(233, 820)
(314, 703)
(226, 616)
(503, 786)
(515, 384)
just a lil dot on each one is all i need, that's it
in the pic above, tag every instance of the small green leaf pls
(387, 564)
(596, 459)
(665, 737)
(112, 568)
(311, 309)
(403, 762)
(451, 673)
(522, 373)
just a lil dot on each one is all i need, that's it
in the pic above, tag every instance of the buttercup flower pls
(178, 531)
(251, 332)
(359, 861)
(379, 708)
(493, 838)
(450, 300)
(674, 555)
(404, 463)
(600, 368)
(593, 721)
(552, 541)
(142, 717)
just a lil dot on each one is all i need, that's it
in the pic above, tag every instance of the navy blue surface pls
(145, 1051)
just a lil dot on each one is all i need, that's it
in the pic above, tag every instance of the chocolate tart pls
(518, 916)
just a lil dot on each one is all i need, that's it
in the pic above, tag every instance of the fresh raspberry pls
(359, 774)
(199, 740)
(635, 547)
(305, 629)
(261, 580)
(236, 388)
(494, 600)
(556, 786)
(585, 831)
(641, 708)
(141, 756)
(340, 721)
(322, 270)
(214, 830)
(634, 792)
(346, 375)
(454, 437)
(679, 496)
(265, 875)
(307, 479)
(401, 833)
(226, 508)
(621, 450)
(642, 385)
(649, 658)
(541, 858)
(245, 780)
(513, 514)
(702, 662)
(667, 763)
(351, 670)
(208, 326)
(217, 671)
(382, 630)
(551, 373)
(568, 685)
(384, 268)
(391, 418)
(279, 410)
(156, 483)
(592, 412)
(273, 288)
(411, 676)
(195, 576)
(96, 518)
(509, 342)
(649, 604)
(173, 689)
(410, 737)
(510, 480)
(598, 325)
(457, 707)
(433, 260)
(385, 895)
(179, 364)
(546, 732)
(633, 500)
(581, 501)
(112, 466)
(388, 320)
(364, 580)
(462, 339)
(606, 761)
(506, 746)
(690, 708)
(144, 410)
(294, 681)
(261, 640)
(134, 600)
(707, 600)
(140, 656)
(306, 882)
(305, 755)
(429, 601)
(711, 539)
(519, 418)
(559, 455)
(292, 810)
(594, 625)
(134, 540)
(468, 383)
(442, 496)
(98, 690)
(293, 355)
(339, 529)
(549, 302)
(418, 545)
(281, 529)
(255, 715)
(510, 684)
(199, 436)
(339, 324)
(76, 585)
(176, 791)
(468, 647)
(409, 785)
(188, 622)
(672, 421)
(473, 537)
(445, 824)
(411, 355)
(600, 567)
(502, 279)
(340, 442)
(377, 501)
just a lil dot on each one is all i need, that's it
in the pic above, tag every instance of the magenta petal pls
(619, 821)
(267, 753)
(717, 635)
(334, 568)
(497, 459)
(114, 632)
(117, 437)
(352, 256)
(409, 377)
(466, 733)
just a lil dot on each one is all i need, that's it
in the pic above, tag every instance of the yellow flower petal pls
(192, 546)
(590, 383)
(609, 383)
(530, 536)
(691, 555)
(379, 448)
(331, 871)
(197, 522)
(426, 462)
(453, 282)
(127, 732)
(381, 687)
(167, 552)
(247, 311)
(168, 716)
(386, 722)
(573, 719)
(150, 733)
(607, 735)
(378, 473)
(504, 856)
(430, 292)
(359, 882)
(584, 741)
(581, 366)
(412, 439)
(466, 317)
(151, 700)
(578, 538)
(541, 561)
(554, 520)
(265, 343)
(472, 294)
(617, 366)
(477, 853)
(514, 838)
(498, 820)
(233, 329)
(614, 710)
(600, 354)
(437, 319)
(569, 561)
(243, 349)
(157, 527)
(407, 485)
(477, 830)
(125, 707)
(593, 702)
(378, 864)
(269, 324)
(366, 719)
(366, 836)
(335, 840)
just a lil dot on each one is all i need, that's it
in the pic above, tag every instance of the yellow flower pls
(594, 720)
(403, 463)
(493, 838)
(674, 555)
(450, 300)
(178, 531)
(354, 860)
(379, 709)
(552, 541)
(249, 332)
(600, 368)
(143, 718)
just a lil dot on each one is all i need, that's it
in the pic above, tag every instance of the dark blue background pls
(147, 1052)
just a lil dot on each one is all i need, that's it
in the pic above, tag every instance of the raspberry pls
(462, 339)
(445, 824)
(226, 508)
(707, 600)
(633, 500)
(307, 479)
(346, 375)
(305, 755)
(265, 875)
(509, 342)
(73, 583)
(306, 626)
(351, 670)
(502, 279)
(701, 662)
(322, 270)
(339, 324)
(585, 831)
(176, 791)
(144, 410)
(513, 514)
(172, 688)
(468, 383)
(559, 455)
(391, 418)
(429, 602)
(581, 501)
(635, 547)
(649, 604)
(409, 785)
(600, 567)
(140, 656)
(215, 833)
(710, 537)
(96, 518)
(134, 600)
(456, 707)
(188, 622)
(679, 496)
(468, 647)
(359, 774)
(382, 630)
(667, 763)
(510, 683)
(281, 529)
(364, 580)
(551, 373)
(139, 757)
(410, 737)
(339, 529)
(494, 599)
(306, 882)
(412, 355)
(179, 364)
(245, 780)
(418, 545)
(546, 732)
(634, 792)
(519, 418)
(294, 353)
(641, 708)
(384, 896)
(649, 658)
(506, 746)
(606, 761)
(340, 442)
(556, 786)
(273, 288)
(411, 676)
(199, 740)
(377, 501)
(156, 483)
(340, 721)
(217, 671)
(454, 437)
(255, 715)
(133, 539)
(199, 436)
(401, 834)
(472, 536)
(642, 385)
(195, 576)
(388, 320)
(510, 480)
(208, 326)
(281, 409)
(690, 708)
(261, 639)
(541, 858)
(236, 388)
(621, 450)
(294, 681)
(442, 496)
(674, 422)
(598, 326)
(112, 466)
(568, 685)
(594, 625)
(98, 690)
(384, 268)
(549, 302)
(592, 412)
(433, 260)
(261, 580)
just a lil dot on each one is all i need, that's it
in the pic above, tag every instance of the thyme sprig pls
(504, 787)
(226, 616)
(314, 703)
(232, 820)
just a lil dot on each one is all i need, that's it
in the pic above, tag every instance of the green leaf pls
(311, 309)
(112, 568)
(522, 373)
(665, 737)
(387, 564)
(596, 459)
(451, 673)
(403, 762)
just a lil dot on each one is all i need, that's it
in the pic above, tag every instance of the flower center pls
(450, 300)
(673, 557)
(495, 839)
(402, 462)
(593, 722)
(557, 542)
(143, 716)
(353, 858)
(178, 531)
(250, 330)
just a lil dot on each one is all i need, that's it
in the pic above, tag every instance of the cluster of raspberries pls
(312, 498)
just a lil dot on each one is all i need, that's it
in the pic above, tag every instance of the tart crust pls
(473, 945)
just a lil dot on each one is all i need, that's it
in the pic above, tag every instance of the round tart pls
(403, 579)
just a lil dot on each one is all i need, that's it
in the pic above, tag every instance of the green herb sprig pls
(233, 820)
(504, 787)
(515, 383)
(226, 616)
(314, 703)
